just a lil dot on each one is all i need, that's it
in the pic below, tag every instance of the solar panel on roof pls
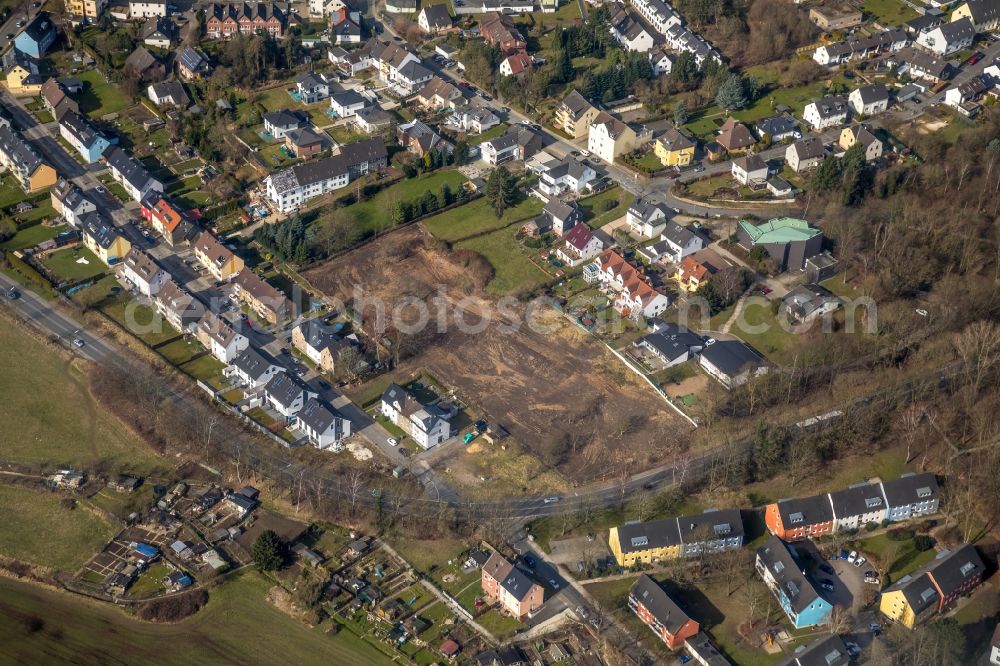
(924, 491)
(796, 517)
(967, 568)
(640, 541)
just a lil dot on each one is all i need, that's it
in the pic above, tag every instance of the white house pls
(911, 495)
(168, 93)
(141, 271)
(312, 87)
(323, 424)
(646, 218)
(132, 175)
(680, 242)
(568, 175)
(633, 296)
(805, 154)
(658, 13)
(287, 394)
(948, 38)
(345, 104)
(827, 112)
(428, 425)
(970, 91)
(279, 123)
(630, 33)
(869, 100)
(857, 506)
(221, 339)
(70, 202)
(749, 170)
(146, 8)
(731, 362)
(290, 188)
(580, 245)
(434, 18)
(252, 369)
(662, 61)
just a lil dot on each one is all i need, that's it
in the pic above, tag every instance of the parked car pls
(551, 500)
(974, 58)
(859, 562)
(826, 568)
(393, 441)
(827, 587)
(852, 557)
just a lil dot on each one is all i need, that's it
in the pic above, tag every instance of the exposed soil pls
(558, 391)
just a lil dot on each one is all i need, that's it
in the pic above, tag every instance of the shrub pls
(922, 542)
(173, 609)
(610, 204)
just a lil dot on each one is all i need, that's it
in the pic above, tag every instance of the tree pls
(461, 154)
(681, 115)
(501, 190)
(268, 551)
(732, 93)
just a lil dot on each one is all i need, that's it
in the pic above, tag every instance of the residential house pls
(345, 27)
(835, 17)
(669, 344)
(321, 344)
(346, 103)
(222, 21)
(57, 100)
(290, 188)
(23, 161)
(698, 268)
(167, 219)
(473, 119)
(267, 302)
(779, 128)
(805, 154)
(434, 18)
(144, 65)
(428, 425)
(141, 271)
(984, 14)
(311, 87)
(750, 170)
(795, 594)
(69, 202)
(517, 143)
(374, 120)
(910, 496)
(222, 341)
(574, 115)
(800, 517)
(305, 143)
(713, 531)
(860, 505)
(674, 148)
(630, 33)
(401, 6)
(948, 38)
(278, 123)
(102, 238)
(131, 174)
(168, 93)
(808, 302)
(683, 40)
(970, 91)
(704, 652)
(634, 296)
(507, 585)
(610, 138)
(253, 369)
(869, 100)
(498, 30)
(678, 241)
(557, 217)
(828, 650)
(159, 32)
(647, 217)
(734, 136)
(788, 241)
(830, 111)
(192, 63)
(661, 60)
(660, 15)
(325, 427)
(862, 134)
(660, 613)
(732, 362)
(915, 598)
(579, 245)
(81, 12)
(36, 37)
(220, 261)
(140, 9)
(438, 95)
(287, 395)
(566, 176)
(23, 73)
(243, 501)
(419, 139)
(922, 65)
(515, 64)
(862, 48)
(178, 307)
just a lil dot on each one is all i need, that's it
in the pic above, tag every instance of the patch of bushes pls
(173, 609)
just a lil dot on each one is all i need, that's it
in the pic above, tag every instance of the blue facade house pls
(795, 594)
(37, 36)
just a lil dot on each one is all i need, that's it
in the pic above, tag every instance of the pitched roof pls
(780, 230)
(517, 584)
(952, 570)
(254, 362)
(19, 151)
(284, 118)
(826, 651)
(99, 229)
(650, 535)
(318, 415)
(612, 125)
(659, 604)
(857, 500)
(803, 511)
(518, 62)
(438, 87)
(777, 125)
(193, 59)
(437, 16)
(957, 31)
(319, 336)
(284, 389)
(142, 264)
(809, 148)
(674, 139)
(498, 566)
(348, 98)
(579, 236)
(831, 106)
(710, 525)
(910, 489)
(732, 356)
(750, 163)
(39, 27)
(786, 572)
(140, 60)
(217, 328)
(130, 168)
(870, 94)
(735, 135)
(575, 103)
(208, 245)
(80, 128)
(646, 209)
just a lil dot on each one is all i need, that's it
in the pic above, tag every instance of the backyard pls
(598, 209)
(74, 263)
(99, 97)
(477, 216)
(515, 273)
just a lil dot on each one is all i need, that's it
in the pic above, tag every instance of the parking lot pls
(847, 579)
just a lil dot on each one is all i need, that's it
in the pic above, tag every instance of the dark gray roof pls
(575, 103)
(921, 23)
(414, 71)
(918, 590)
(319, 415)
(803, 511)
(130, 168)
(101, 230)
(647, 592)
(677, 233)
(310, 80)
(517, 584)
(777, 125)
(348, 98)
(559, 209)
(649, 535)
(437, 16)
(645, 209)
(193, 59)
(857, 500)
(374, 115)
(954, 569)
(320, 336)
(911, 488)
(710, 525)
(732, 356)
(873, 93)
(286, 119)
(39, 27)
(705, 651)
(826, 651)
(809, 148)
(786, 572)
(831, 106)
(285, 388)
(19, 151)
(958, 30)
(172, 89)
(254, 362)
(307, 137)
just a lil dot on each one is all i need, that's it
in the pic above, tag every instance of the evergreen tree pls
(681, 115)
(731, 93)
(268, 551)
(501, 190)
(461, 154)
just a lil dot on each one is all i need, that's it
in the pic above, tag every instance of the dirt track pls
(558, 392)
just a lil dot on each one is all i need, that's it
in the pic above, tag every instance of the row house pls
(249, 18)
(290, 188)
(131, 174)
(102, 238)
(56, 99)
(683, 40)
(79, 133)
(575, 114)
(579, 246)
(921, 595)
(508, 586)
(863, 48)
(178, 307)
(984, 14)
(323, 424)
(286, 394)
(252, 369)
(23, 161)
(907, 497)
(658, 14)
(167, 219)
(427, 424)
(321, 344)
(630, 33)
(660, 613)
(267, 302)
(795, 594)
(713, 531)
(220, 261)
(634, 295)
(69, 202)
(141, 271)
(221, 340)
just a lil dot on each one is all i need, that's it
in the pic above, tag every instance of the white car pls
(584, 153)
(393, 441)
(853, 556)
(859, 562)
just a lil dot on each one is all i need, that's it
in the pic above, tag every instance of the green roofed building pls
(789, 241)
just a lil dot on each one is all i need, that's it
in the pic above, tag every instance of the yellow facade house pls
(574, 115)
(84, 11)
(102, 238)
(24, 162)
(674, 148)
(23, 75)
(645, 542)
(221, 262)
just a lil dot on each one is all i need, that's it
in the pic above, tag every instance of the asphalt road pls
(10, 25)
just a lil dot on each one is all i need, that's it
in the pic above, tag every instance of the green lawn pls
(150, 583)
(344, 134)
(49, 414)
(593, 208)
(904, 555)
(237, 625)
(75, 263)
(759, 327)
(489, 134)
(498, 624)
(477, 216)
(180, 351)
(37, 529)
(31, 236)
(208, 369)
(373, 213)
(514, 272)
(99, 97)
(141, 320)
(889, 12)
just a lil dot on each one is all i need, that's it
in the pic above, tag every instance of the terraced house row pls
(713, 531)
(909, 496)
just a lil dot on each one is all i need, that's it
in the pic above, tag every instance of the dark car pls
(13, 294)
(974, 58)
(529, 560)
(826, 568)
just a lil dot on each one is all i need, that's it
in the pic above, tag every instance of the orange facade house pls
(800, 518)
(660, 613)
(507, 585)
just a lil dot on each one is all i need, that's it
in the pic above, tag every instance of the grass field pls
(759, 327)
(889, 12)
(75, 263)
(49, 415)
(514, 271)
(99, 97)
(904, 554)
(37, 529)
(237, 625)
(477, 216)
(593, 208)
(489, 134)
(32, 236)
